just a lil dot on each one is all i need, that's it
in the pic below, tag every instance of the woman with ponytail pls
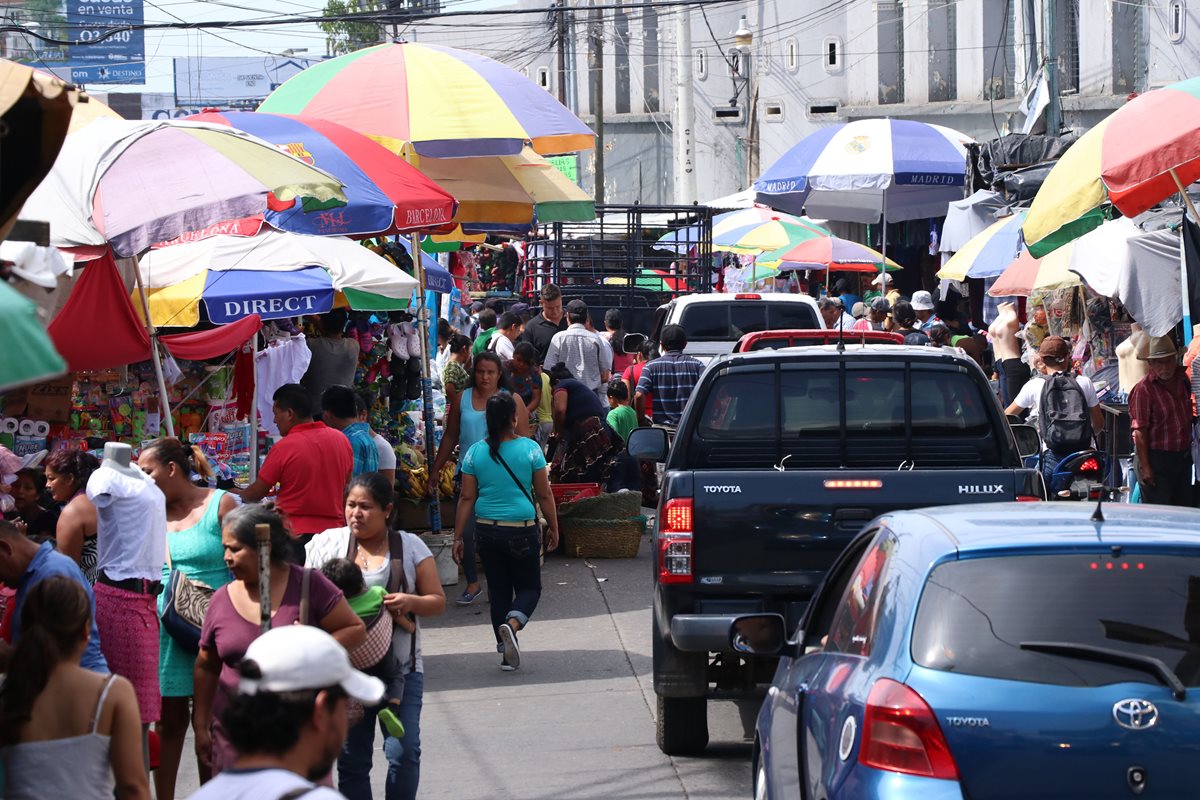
(501, 475)
(194, 517)
(66, 731)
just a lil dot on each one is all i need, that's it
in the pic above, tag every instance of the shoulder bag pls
(397, 582)
(184, 608)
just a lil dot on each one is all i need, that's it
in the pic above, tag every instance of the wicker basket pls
(602, 538)
(614, 506)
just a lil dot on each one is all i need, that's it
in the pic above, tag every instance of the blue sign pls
(107, 31)
(108, 73)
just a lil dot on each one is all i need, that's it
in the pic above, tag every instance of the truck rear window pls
(974, 614)
(832, 417)
(728, 322)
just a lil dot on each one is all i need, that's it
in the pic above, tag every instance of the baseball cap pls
(477, 306)
(1054, 348)
(859, 311)
(881, 278)
(577, 305)
(881, 304)
(299, 657)
(519, 308)
(922, 301)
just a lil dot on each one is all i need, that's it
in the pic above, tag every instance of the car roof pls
(725, 297)
(854, 349)
(1020, 526)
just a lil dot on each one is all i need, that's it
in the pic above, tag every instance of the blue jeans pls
(403, 755)
(512, 563)
(470, 571)
(1049, 464)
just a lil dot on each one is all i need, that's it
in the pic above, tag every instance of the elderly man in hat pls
(877, 316)
(585, 352)
(1160, 412)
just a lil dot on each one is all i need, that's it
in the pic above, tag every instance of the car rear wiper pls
(1106, 655)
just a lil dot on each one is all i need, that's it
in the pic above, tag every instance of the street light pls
(293, 51)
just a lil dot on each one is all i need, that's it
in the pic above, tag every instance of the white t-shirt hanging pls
(131, 532)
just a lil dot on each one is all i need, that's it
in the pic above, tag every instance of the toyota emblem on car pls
(1135, 714)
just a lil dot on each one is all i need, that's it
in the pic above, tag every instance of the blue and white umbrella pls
(868, 171)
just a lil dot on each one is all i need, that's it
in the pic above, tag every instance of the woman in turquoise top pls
(465, 425)
(501, 476)
(194, 516)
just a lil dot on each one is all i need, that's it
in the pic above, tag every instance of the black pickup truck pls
(779, 459)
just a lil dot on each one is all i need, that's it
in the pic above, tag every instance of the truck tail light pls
(1028, 498)
(747, 296)
(901, 734)
(675, 541)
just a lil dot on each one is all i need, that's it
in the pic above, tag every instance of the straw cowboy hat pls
(1160, 347)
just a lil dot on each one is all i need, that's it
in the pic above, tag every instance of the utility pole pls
(560, 37)
(1054, 109)
(597, 74)
(685, 113)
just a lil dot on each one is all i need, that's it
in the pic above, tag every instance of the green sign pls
(568, 165)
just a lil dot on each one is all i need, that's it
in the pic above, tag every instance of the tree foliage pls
(347, 36)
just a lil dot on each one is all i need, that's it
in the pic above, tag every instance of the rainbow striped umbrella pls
(826, 252)
(1137, 156)
(447, 103)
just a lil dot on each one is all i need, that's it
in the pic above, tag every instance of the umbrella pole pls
(254, 411)
(423, 322)
(883, 249)
(1183, 276)
(163, 403)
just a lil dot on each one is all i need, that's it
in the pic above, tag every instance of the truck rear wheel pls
(682, 725)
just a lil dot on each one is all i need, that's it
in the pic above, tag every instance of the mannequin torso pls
(1003, 332)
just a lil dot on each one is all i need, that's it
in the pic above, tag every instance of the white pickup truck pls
(715, 322)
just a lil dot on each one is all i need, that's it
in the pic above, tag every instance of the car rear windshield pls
(975, 614)
(728, 322)
(884, 414)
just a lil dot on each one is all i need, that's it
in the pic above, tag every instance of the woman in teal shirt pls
(500, 477)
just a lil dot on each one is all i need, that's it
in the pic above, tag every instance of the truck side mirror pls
(648, 444)
(758, 634)
(632, 342)
(1028, 441)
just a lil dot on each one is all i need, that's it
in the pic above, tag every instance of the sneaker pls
(506, 667)
(512, 652)
(391, 723)
(466, 598)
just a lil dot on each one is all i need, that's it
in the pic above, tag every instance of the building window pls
(1066, 43)
(621, 56)
(889, 24)
(728, 115)
(651, 100)
(942, 18)
(791, 51)
(701, 64)
(1176, 17)
(773, 110)
(831, 50)
(999, 50)
(1128, 46)
(543, 77)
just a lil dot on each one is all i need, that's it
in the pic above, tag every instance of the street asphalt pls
(577, 720)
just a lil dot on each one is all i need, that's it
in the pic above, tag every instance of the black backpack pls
(1064, 420)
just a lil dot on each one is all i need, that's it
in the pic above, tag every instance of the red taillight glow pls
(747, 296)
(1125, 566)
(1028, 498)
(901, 734)
(1089, 466)
(675, 541)
(854, 484)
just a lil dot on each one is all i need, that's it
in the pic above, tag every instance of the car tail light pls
(675, 541)
(747, 296)
(1028, 498)
(859, 483)
(1089, 466)
(901, 734)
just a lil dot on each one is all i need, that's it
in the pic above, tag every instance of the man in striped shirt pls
(670, 378)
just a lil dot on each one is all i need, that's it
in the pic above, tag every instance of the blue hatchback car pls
(991, 651)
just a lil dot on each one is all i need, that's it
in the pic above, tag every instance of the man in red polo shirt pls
(1160, 412)
(312, 465)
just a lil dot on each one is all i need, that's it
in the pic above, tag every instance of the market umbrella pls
(1029, 274)
(1139, 155)
(826, 252)
(986, 254)
(29, 355)
(274, 275)
(447, 103)
(135, 183)
(754, 230)
(384, 193)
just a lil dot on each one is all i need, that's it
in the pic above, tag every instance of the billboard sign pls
(134, 73)
(102, 29)
(225, 81)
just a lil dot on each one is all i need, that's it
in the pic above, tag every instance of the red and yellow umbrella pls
(1139, 155)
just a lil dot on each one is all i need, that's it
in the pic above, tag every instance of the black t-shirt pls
(539, 331)
(582, 402)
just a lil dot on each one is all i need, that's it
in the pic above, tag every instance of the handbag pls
(184, 608)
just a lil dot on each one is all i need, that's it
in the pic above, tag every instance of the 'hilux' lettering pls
(993, 488)
(723, 489)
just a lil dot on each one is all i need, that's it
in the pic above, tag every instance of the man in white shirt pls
(508, 328)
(288, 721)
(834, 314)
(586, 353)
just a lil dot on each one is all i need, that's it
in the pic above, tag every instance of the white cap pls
(299, 657)
(922, 301)
(882, 277)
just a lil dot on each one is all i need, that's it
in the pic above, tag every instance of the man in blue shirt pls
(23, 563)
(670, 379)
(339, 411)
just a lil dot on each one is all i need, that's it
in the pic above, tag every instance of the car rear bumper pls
(865, 783)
